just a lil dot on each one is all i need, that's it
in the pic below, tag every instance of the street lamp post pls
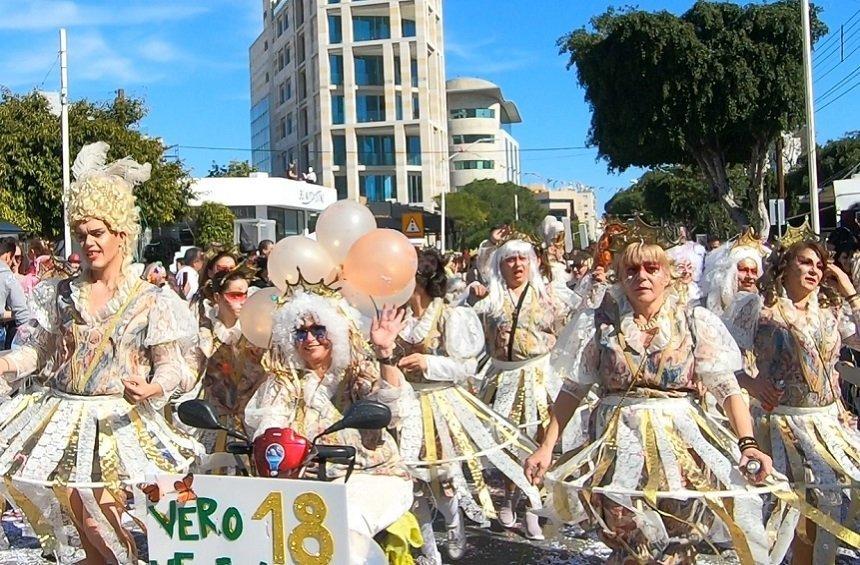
(445, 190)
(810, 118)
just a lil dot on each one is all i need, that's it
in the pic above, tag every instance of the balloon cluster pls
(372, 266)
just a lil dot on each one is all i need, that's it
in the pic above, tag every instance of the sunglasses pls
(300, 335)
(236, 296)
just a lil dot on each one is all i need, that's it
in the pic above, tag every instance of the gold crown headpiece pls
(749, 238)
(515, 234)
(636, 230)
(797, 234)
(320, 287)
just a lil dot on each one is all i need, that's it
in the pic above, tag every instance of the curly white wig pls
(105, 191)
(335, 314)
(720, 277)
(496, 284)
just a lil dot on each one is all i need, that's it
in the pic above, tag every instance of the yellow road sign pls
(413, 224)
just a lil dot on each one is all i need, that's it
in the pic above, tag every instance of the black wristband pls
(387, 361)
(854, 296)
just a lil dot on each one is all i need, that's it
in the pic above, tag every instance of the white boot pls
(429, 552)
(533, 528)
(507, 513)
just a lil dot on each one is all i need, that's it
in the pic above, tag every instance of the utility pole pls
(64, 127)
(780, 180)
(810, 118)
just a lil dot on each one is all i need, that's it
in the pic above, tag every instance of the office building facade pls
(356, 90)
(479, 125)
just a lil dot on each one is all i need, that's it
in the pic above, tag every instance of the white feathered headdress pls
(104, 190)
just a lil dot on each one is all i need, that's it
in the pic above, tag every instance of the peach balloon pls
(363, 303)
(256, 316)
(380, 263)
(299, 252)
(341, 224)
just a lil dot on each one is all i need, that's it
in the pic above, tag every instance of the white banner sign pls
(238, 520)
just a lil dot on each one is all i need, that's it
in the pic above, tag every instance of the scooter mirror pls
(199, 414)
(363, 415)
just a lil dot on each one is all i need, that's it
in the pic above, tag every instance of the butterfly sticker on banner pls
(184, 492)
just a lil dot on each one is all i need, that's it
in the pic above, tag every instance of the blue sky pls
(189, 61)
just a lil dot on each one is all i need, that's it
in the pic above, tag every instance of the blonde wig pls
(498, 288)
(105, 192)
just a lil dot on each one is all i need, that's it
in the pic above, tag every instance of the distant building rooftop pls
(463, 85)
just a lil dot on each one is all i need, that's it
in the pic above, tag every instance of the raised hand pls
(385, 329)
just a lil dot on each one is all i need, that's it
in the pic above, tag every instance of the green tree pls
(711, 88)
(214, 224)
(31, 176)
(483, 204)
(233, 169)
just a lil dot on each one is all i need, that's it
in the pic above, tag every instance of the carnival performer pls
(658, 470)
(795, 331)
(228, 364)
(105, 345)
(217, 261)
(319, 365)
(524, 316)
(438, 349)
(688, 259)
(732, 268)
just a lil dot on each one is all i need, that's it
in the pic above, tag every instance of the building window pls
(340, 187)
(473, 165)
(413, 66)
(287, 222)
(303, 122)
(337, 114)
(282, 128)
(335, 32)
(375, 150)
(369, 28)
(338, 143)
(369, 70)
(300, 12)
(369, 108)
(473, 113)
(303, 86)
(335, 63)
(287, 58)
(416, 110)
(280, 27)
(289, 123)
(280, 59)
(377, 188)
(398, 106)
(407, 28)
(415, 188)
(300, 47)
(461, 139)
(289, 88)
(282, 94)
(397, 74)
(413, 150)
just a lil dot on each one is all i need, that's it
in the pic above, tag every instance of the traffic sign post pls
(413, 225)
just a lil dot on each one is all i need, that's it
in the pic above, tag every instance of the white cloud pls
(91, 58)
(483, 57)
(51, 14)
(159, 51)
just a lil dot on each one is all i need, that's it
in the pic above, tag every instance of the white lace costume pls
(799, 350)
(689, 256)
(653, 447)
(448, 427)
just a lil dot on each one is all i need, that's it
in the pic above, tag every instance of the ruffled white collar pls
(635, 337)
(416, 330)
(80, 295)
(221, 332)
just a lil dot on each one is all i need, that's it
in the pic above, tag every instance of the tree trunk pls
(713, 165)
(755, 172)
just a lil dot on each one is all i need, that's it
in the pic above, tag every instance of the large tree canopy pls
(710, 88)
(483, 204)
(31, 177)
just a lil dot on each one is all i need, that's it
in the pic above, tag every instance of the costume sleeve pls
(33, 342)
(741, 318)
(464, 342)
(171, 333)
(716, 354)
(575, 355)
(849, 319)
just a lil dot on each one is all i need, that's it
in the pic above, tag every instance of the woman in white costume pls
(523, 316)
(656, 457)
(105, 345)
(450, 428)
(732, 268)
(319, 365)
(795, 331)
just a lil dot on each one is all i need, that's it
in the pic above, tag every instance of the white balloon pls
(363, 550)
(295, 253)
(341, 224)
